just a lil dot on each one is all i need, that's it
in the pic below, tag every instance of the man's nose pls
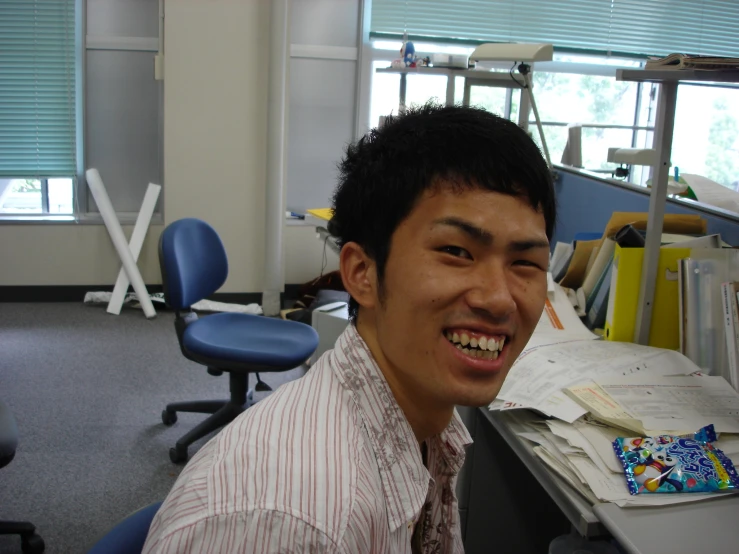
(491, 292)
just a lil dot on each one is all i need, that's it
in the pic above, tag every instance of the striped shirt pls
(328, 463)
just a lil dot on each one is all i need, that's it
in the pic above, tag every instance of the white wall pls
(215, 107)
(68, 255)
(304, 255)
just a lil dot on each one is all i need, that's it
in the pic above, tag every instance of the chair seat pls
(128, 536)
(251, 339)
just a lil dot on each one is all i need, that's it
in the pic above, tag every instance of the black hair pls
(383, 175)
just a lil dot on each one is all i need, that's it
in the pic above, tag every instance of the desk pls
(712, 525)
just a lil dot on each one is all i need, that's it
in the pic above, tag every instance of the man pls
(444, 216)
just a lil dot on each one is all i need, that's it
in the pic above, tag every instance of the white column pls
(279, 51)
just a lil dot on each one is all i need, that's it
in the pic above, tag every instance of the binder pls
(603, 257)
(623, 299)
(575, 273)
(596, 317)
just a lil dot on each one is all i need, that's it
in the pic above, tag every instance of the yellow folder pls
(322, 213)
(623, 299)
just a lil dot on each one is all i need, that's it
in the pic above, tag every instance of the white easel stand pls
(134, 245)
(97, 188)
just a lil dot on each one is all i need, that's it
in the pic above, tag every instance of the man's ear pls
(359, 274)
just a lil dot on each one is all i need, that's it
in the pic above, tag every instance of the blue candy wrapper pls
(669, 464)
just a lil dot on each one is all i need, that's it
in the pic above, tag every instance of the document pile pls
(596, 391)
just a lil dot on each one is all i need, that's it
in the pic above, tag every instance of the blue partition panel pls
(586, 203)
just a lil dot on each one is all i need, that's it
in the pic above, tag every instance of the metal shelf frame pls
(668, 79)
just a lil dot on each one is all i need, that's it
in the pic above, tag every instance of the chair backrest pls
(193, 262)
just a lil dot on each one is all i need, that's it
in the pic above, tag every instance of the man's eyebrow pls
(530, 244)
(473, 231)
(485, 237)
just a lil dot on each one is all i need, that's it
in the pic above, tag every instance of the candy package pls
(667, 463)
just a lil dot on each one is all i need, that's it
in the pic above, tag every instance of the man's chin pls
(476, 399)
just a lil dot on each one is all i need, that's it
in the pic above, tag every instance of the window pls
(60, 116)
(706, 136)
(38, 116)
(571, 89)
(605, 27)
(608, 110)
(37, 196)
(592, 38)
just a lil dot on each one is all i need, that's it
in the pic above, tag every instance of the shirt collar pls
(404, 477)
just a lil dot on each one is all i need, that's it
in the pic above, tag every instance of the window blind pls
(37, 88)
(630, 27)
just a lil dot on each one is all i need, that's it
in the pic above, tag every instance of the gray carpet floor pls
(87, 389)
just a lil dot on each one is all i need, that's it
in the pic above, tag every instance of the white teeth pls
(466, 351)
(487, 355)
(485, 344)
(459, 347)
(495, 355)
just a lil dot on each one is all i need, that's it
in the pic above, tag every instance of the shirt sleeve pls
(258, 532)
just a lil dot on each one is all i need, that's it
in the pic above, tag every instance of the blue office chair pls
(194, 265)
(129, 536)
(31, 543)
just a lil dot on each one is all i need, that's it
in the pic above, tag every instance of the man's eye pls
(527, 263)
(456, 251)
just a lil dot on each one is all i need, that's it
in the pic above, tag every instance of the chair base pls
(31, 543)
(224, 412)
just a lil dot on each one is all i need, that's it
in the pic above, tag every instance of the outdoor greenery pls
(723, 165)
(29, 185)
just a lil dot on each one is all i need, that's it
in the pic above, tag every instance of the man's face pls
(464, 287)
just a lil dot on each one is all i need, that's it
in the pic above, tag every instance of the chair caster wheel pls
(169, 418)
(32, 544)
(177, 455)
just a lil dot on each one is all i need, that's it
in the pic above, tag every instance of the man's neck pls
(425, 418)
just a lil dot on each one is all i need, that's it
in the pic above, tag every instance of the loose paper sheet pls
(565, 473)
(543, 371)
(558, 324)
(574, 437)
(601, 438)
(676, 403)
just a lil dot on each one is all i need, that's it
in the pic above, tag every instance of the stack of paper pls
(582, 454)
(600, 390)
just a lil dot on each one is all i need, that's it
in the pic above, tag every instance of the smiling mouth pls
(477, 345)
